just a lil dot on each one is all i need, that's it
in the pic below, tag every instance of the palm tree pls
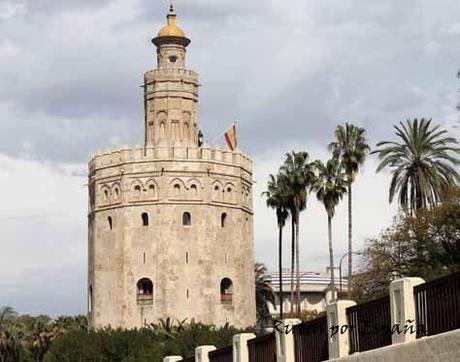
(298, 176)
(422, 162)
(330, 186)
(264, 292)
(11, 348)
(7, 315)
(351, 147)
(277, 199)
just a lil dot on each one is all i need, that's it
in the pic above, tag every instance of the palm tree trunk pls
(331, 255)
(350, 242)
(292, 261)
(280, 268)
(297, 251)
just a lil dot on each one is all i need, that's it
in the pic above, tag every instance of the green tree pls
(426, 246)
(351, 147)
(264, 293)
(330, 186)
(297, 174)
(422, 163)
(277, 198)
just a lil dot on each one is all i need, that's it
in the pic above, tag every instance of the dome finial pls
(171, 8)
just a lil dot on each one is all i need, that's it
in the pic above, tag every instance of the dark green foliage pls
(427, 246)
(147, 344)
(67, 339)
(264, 295)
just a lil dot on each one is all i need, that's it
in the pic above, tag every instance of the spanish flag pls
(230, 137)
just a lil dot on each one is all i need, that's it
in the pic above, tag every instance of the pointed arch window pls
(110, 222)
(137, 191)
(176, 190)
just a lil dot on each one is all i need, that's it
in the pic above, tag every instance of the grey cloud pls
(287, 71)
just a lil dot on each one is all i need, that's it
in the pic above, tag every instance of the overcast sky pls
(289, 71)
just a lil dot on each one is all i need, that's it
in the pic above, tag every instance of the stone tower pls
(170, 223)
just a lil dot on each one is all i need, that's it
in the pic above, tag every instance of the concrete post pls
(172, 359)
(201, 353)
(285, 340)
(402, 305)
(338, 329)
(240, 346)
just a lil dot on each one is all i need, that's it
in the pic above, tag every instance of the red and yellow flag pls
(230, 137)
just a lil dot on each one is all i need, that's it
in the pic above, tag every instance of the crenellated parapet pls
(126, 154)
(173, 175)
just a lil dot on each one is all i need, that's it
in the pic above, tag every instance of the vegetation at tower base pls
(24, 338)
(28, 338)
(425, 245)
(146, 344)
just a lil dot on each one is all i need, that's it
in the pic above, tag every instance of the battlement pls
(126, 154)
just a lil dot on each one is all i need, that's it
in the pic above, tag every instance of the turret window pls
(173, 59)
(110, 222)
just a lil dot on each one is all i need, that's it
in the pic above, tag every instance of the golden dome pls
(171, 29)
(171, 32)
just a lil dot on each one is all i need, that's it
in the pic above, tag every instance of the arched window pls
(223, 219)
(145, 219)
(194, 190)
(106, 195)
(226, 291)
(152, 190)
(137, 191)
(110, 222)
(176, 190)
(117, 193)
(144, 291)
(186, 219)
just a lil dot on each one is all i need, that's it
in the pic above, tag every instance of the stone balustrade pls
(404, 346)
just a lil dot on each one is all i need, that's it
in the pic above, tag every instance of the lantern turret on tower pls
(171, 91)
